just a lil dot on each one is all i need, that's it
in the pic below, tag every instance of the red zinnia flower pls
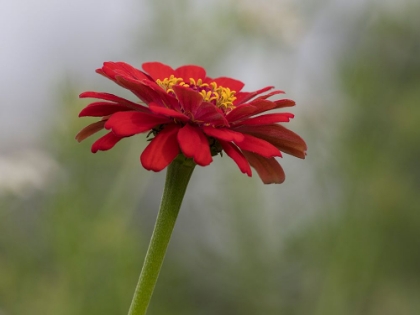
(190, 113)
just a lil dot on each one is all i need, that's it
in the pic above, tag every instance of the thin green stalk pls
(177, 178)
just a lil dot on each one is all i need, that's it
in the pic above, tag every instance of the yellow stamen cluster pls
(220, 96)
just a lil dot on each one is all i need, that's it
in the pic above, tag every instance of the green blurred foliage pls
(366, 258)
(77, 248)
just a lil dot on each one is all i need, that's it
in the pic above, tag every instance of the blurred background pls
(340, 236)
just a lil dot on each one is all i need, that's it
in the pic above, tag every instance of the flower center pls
(220, 96)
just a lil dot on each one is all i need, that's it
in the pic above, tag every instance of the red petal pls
(243, 97)
(236, 155)
(142, 91)
(268, 119)
(262, 106)
(130, 123)
(90, 130)
(264, 97)
(113, 98)
(258, 106)
(269, 170)
(284, 103)
(282, 138)
(194, 144)
(162, 150)
(129, 71)
(99, 109)
(190, 71)
(265, 105)
(158, 70)
(210, 114)
(223, 134)
(258, 146)
(160, 97)
(232, 84)
(190, 100)
(168, 112)
(241, 112)
(106, 142)
(113, 69)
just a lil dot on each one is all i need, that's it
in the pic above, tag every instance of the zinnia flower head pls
(184, 111)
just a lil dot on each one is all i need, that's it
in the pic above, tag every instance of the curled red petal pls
(106, 142)
(259, 146)
(232, 84)
(99, 109)
(223, 134)
(113, 69)
(142, 91)
(194, 144)
(122, 68)
(162, 150)
(189, 99)
(269, 170)
(236, 155)
(130, 123)
(158, 70)
(268, 119)
(282, 138)
(90, 130)
(190, 71)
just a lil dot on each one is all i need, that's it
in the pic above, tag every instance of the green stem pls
(177, 178)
